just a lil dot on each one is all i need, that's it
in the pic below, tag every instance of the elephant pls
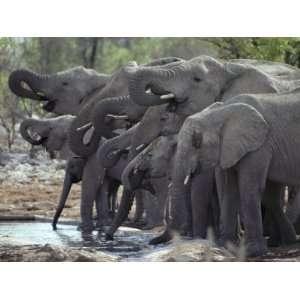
(156, 162)
(189, 87)
(68, 91)
(252, 138)
(93, 120)
(51, 133)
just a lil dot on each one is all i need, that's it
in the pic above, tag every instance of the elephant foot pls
(86, 228)
(54, 227)
(165, 237)
(256, 249)
(109, 237)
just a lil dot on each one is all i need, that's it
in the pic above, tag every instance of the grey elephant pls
(189, 87)
(253, 138)
(51, 133)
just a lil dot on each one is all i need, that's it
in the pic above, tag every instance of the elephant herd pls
(200, 145)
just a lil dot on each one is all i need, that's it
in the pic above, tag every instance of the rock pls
(51, 253)
(190, 251)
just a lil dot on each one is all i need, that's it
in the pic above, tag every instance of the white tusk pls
(148, 91)
(186, 180)
(84, 126)
(170, 185)
(123, 117)
(135, 171)
(167, 96)
(139, 147)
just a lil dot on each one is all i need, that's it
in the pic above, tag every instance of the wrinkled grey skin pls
(64, 92)
(254, 138)
(50, 133)
(157, 162)
(111, 103)
(195, 84)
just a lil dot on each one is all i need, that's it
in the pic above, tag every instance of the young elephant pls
(254, 140)
(50, 133)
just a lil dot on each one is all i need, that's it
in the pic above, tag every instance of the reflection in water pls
(129, 242)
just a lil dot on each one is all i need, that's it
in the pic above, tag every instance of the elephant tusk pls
(148, 91)
(88, 125)
(187, 179)
(170, 185)
(116, 117)
(167, 96)
(135, 171)
(139, 147)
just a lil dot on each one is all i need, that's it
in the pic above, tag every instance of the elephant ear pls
(244, 131)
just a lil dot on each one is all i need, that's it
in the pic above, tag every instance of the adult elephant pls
(93, 120)
(64, 92)
(251, 138)
(51, 133)
(187, 88)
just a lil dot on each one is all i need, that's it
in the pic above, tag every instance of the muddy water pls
(129, 243)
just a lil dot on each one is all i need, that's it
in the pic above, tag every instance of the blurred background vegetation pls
(48, 55)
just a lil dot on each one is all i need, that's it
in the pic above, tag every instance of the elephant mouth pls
(50, 103)
(155, 90)
(38, 139)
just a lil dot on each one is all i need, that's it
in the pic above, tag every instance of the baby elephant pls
(254, 141)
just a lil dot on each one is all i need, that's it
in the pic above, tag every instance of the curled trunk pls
(32, 79)
(147, 78)
(24, 127)
(111, 150)
(109, 106)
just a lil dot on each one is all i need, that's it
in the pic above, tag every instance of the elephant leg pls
(228, 195)
(102, 206)
(90, 181)
(139, 206)
(202, 189)
(293, 207)
(63, 198)
(113, 194)
(281, 229)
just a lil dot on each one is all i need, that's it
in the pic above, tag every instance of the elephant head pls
(118, 106)
(61, 93)
(152, 163)
(193, 84)
(50, 133)
(221, 135)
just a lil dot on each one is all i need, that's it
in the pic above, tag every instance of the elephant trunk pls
(146, 86)
(82, 125)
(111, 150)
(106, 112)
(180, 213)
(32, 79)
(132, 176)
(63, 198)
(122, 214)
(24, 127)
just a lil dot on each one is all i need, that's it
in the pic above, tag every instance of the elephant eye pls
(65, 83)
(196, 79)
